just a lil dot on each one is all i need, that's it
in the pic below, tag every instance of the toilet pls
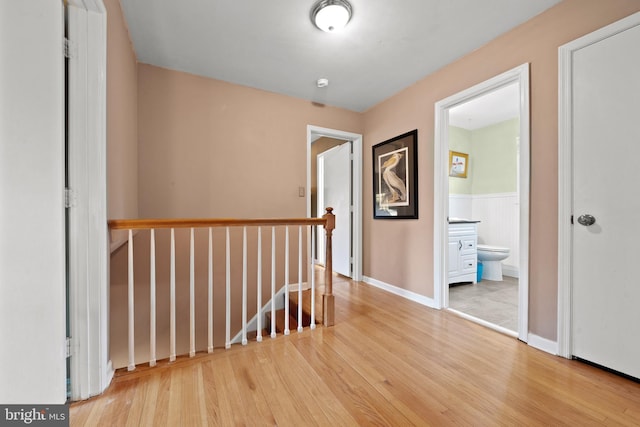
(491, 258)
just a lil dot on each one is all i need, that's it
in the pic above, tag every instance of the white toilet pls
(491, 258)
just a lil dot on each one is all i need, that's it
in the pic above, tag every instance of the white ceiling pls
(272, 45)
(490, 108)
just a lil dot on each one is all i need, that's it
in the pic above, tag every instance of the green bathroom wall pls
(493, 160)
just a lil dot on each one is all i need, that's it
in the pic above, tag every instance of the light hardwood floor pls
(387, 361)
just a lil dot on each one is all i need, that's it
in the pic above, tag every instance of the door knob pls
(586, 220)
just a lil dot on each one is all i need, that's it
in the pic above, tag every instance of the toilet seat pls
(489, 248)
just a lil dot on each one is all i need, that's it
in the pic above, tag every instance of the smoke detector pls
(322, 82)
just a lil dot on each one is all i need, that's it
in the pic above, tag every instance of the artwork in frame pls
(458, 164)
(395, 177)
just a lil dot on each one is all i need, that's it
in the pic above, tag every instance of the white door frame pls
(520, 75)
(356, 181)
(565, 172)
(91, 370)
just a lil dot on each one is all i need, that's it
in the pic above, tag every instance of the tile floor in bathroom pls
(492, 301)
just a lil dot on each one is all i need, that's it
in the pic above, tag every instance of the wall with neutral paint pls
(122, 117)
(401, 252)
(208, 148)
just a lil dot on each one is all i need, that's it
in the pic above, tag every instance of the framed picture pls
(395, 177)
(458, 164)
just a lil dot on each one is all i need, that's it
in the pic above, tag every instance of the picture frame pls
(395, 177)
(458, 164)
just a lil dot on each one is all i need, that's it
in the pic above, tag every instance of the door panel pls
(606, 146)
(336, 165)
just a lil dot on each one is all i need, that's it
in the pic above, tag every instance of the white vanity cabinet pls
(463, 253)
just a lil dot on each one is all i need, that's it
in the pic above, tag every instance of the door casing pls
(91, 370)
(520, 75)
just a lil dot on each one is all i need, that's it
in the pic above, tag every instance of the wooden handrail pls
(137, 224)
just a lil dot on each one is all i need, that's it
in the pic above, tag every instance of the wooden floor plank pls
(387, 361)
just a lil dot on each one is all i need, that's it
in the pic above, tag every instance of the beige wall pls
(401, 252)
(122, 117)
(214, 149)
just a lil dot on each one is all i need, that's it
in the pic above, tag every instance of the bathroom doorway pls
(488, 127)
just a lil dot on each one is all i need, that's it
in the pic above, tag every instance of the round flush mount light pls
(331, 15)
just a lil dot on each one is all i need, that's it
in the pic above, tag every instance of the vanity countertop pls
(462, 221)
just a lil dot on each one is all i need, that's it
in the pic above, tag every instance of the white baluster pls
(273, 282)
(172, 298)
(286, 280)
(300, 328)
(313, 278)
(227, 342)
(244, 285)
(259, 288)
(192, 297)
(152, 299)
(132, 359)
(210, 295)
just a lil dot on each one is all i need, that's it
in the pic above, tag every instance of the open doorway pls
(323, 140)
(463, 121)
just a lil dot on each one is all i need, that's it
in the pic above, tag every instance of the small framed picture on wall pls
(458, 164)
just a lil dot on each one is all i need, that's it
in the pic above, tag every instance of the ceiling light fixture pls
(331, 15)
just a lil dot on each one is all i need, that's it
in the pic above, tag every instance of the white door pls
(334, 190)
(606, 148)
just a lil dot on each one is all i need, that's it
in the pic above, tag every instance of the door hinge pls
(69, 48)
(68, 347)
(571, 219)
(69, 198)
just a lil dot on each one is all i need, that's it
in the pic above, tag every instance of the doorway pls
(598, 134)
(315, 135)
(333, 188)
(517, 79)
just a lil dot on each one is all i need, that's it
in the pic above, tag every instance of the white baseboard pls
(535, 341)
(543, 344)
(420, 299)
(108, 376)
(510, 270)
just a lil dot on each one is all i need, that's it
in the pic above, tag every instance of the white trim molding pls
(91, 370)
(543, 344)
(565, 172)
(412, 296)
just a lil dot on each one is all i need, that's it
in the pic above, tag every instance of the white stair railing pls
(304, 228)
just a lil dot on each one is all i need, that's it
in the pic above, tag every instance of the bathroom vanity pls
(463, 255)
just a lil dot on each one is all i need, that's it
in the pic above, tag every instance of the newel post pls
(328, 300)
